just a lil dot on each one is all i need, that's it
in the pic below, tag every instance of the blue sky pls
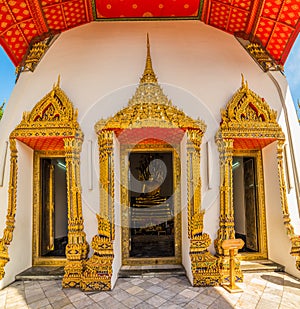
(292, 72)
(7, 76)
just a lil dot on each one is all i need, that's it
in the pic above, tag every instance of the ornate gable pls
(149, 108)
(55, 109)
(246, 108)
(249, 116)
(52, 119)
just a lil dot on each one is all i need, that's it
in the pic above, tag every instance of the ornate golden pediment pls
(149, 107)
(53, 112)
(248, 115)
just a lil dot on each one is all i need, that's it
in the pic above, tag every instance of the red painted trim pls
(38, 15)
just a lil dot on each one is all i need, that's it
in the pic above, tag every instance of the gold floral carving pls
(52, 117)
(11, 208)
(35, 53)
(205, 268)
(262, 57)
(98, 269)
(246, 116)
(150, 108)
(77, 248)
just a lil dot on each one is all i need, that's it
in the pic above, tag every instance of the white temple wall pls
(199, 68)
(279, 245)
(290, 125)
(20, 249)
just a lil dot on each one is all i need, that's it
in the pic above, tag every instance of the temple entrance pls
(151, 230)
(50, 210)
(248, 203)
(151, 205)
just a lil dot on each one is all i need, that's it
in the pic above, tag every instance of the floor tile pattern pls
(264, 290)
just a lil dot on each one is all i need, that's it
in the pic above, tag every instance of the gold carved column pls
(98, 269)
(226, 229)
(11, 209)
(295, 250)
(77, 247)
(205, 268)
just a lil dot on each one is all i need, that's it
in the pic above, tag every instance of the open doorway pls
(248, 204)
(151, 205)
(50, 211)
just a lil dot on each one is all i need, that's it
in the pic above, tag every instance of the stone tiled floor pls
(261, 290)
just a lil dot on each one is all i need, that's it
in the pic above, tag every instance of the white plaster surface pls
(100, 64)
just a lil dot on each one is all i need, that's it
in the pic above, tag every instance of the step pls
(151, 270)
(41, 273)
(261, 265)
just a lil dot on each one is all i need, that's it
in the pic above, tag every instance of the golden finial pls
(243, 80)
(244, 83)
(149, 91)
(58, 81)
(149, 75)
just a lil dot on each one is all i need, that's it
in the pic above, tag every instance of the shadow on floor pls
(281, 281)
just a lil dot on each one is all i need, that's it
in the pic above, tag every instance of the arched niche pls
(51, 126)
(247, 123)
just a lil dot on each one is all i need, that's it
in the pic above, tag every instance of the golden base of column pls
(98, 269)
(4, 258)
(205, 267)
(76, 257)
(72, 276)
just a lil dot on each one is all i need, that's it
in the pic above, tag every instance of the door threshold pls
(41, 273)
(127, 271)
(261, 265)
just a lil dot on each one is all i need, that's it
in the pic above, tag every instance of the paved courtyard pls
(261, 290)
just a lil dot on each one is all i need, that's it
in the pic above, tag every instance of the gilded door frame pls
(261, 215)
(247, 123)
(51, 125)
(37, 259)
(125, 151)
(148, 109)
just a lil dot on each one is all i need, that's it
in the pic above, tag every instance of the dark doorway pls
(151, 205)
(54, 210)
(245, 202)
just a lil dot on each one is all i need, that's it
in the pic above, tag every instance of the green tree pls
(2, 109)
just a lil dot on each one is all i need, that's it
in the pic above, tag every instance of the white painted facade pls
(199, 69)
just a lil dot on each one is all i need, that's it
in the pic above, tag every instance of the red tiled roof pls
(274, 22)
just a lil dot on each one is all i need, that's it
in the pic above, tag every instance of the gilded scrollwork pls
(205, 267)
(150, 108)
(97, 270)
(247, 116)
(11, 208)
(53, 118)
(77, 248)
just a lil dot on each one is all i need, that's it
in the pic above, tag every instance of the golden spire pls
(149, 75)
(149, 91)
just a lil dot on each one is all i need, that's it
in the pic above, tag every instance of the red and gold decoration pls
(51, 126)
(172, 9)
(246, 122)
(275, 24)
